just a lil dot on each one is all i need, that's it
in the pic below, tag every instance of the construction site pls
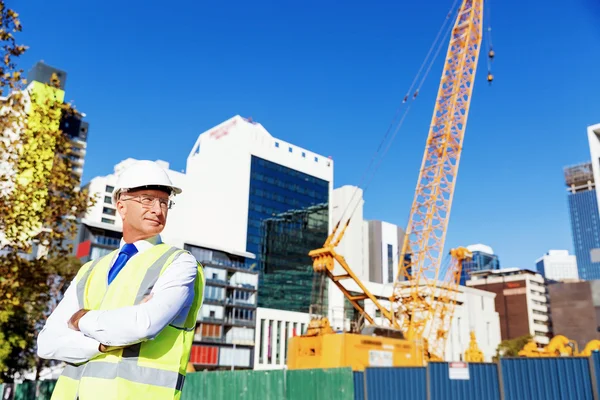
(390, 341)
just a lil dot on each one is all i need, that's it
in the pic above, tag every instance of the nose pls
(156, 208)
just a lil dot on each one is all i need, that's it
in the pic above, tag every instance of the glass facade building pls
(481, 261)
(288, 215)
(585, 225)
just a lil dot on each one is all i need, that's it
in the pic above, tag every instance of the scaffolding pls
(579, 175)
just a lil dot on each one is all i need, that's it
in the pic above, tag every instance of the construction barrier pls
(555, 378)
(359, 386)
(472, 381)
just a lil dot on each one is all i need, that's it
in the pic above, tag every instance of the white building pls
(558, 265)
(522, 300)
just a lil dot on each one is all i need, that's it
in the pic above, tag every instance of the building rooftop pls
(579, 174)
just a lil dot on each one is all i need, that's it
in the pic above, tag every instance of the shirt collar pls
(144, 244)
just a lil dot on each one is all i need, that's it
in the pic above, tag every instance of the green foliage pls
(511, 347)
(40, 201)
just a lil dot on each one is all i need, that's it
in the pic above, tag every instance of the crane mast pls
(424, 296)
(423, 245)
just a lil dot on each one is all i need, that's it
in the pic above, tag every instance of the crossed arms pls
(76, 336)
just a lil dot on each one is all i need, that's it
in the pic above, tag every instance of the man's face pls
(144, 211)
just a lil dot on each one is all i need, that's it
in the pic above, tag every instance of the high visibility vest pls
(151, 370)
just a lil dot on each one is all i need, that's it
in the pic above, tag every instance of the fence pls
(564, 378)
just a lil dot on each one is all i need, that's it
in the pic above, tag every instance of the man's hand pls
(74, 321)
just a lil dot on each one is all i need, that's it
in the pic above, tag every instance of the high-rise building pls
(557, 265)
(521, 301)
(72, 125)
(483, 259)
(585, 219)
(251, 192)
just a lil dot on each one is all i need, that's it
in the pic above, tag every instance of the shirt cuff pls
(88, 324)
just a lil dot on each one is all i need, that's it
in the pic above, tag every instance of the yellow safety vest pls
(151, 370)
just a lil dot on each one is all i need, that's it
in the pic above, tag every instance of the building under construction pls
(585, 219)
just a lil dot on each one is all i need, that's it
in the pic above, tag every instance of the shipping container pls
(359, 385)
(560, 378)
(402, 383)
(236, 385)
(320, 384)
(236, 357)
(463, 381)
(204, 355)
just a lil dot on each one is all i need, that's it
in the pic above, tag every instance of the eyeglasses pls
(148, 201)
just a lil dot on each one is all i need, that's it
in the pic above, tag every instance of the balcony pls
(240, 303)
(213, 320)
(231, 265)
(214, 301)
(216, 282)
(240, 322)
(107, 241)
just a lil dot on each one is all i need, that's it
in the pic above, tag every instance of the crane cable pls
(437, 45)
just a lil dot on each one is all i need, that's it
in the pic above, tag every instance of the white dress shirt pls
(172, 297)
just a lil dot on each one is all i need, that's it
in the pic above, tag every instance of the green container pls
(242, 385)
(320, 384)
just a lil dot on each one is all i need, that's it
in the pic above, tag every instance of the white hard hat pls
(143, 174)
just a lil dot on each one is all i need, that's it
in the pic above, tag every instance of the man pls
(126, 323)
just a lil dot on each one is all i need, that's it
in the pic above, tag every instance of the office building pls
(521, 302)
(575, 310)
(248, 191)
(225, 331)
(557, 265)
(483, 259)
(585, 219)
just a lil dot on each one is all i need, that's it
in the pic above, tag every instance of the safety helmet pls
(143, 174)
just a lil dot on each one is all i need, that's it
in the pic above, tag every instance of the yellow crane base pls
(352, 350)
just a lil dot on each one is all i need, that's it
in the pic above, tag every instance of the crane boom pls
(423, 245)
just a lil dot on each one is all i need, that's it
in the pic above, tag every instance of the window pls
(107, 200)
(108, 221)
(109, 211)
(276, 144)
(290, 149)
(316, 159)
(303, 155)
(390, 260)
(109, 189)
(211, 314)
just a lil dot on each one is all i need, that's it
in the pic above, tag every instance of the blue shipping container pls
(359, 386)
(404, 383)
(482, 382)
(561, 378)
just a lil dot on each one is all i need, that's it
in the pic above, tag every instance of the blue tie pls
(128, 251)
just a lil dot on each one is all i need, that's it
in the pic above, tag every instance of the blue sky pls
(329, 78)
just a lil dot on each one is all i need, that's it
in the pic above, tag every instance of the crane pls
(423, 299)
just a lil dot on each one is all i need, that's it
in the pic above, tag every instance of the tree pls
(40, 202)
(511, 347)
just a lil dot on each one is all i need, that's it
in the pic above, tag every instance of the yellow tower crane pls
(422, 303)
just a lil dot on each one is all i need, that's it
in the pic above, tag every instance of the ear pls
(122, 208)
